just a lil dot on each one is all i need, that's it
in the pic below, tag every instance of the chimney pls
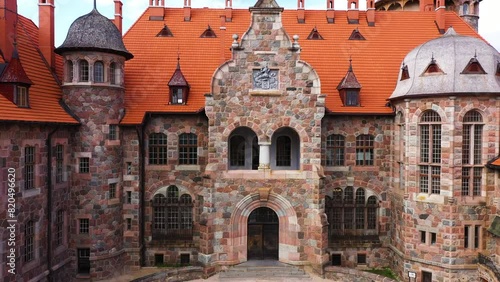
(353, 11)
(229, 10)
(440, 16)
(156, 10)
(187, 10)
(370, 12)
(46, 30)
(118, 15)
(426, 5)
(8, 22)
(330, 11)
(300, 11)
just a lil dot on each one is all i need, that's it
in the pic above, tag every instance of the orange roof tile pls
(45, 92)
(376, 61)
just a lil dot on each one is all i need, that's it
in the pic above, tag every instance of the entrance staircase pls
(264, 270)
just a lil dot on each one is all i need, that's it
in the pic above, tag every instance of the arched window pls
(243, 149)
(172, 216)
(465, 8)
(471, 154)
(69, 71)
(430, 153)
(364, 150)
(113, 72)
(83, 71)
(98, 72)
(157, 149)
(351, 216)
(335, 149)
(188, 149)
(285, 149)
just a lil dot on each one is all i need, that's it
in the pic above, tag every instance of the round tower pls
(469, 12)
(94, 57)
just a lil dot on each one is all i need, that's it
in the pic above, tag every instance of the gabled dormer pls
(179, 87)
(404, 72)
(15, 83)
(432, 68)
(349, 88)
(473, 67)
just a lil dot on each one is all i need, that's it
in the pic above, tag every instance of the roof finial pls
(350, 63)
(475, 54)
(178, 59)
(95, 4)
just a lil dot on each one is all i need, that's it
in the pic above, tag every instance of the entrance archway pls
(263, 234)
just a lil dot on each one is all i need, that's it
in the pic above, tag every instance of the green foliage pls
(386, 271)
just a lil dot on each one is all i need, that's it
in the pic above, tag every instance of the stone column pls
(264, 155)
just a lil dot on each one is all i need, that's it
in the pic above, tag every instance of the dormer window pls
(98, 72)
(433, 68)
(473, 67)
(498, 69)
(352, 97)
(356, 35)
(179, 88)
(314, 35)
(404, 72)
(165, 32)
(349, 89)
(22, 100)
(208, 33)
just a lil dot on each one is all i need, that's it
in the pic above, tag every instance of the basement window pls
(208, 33)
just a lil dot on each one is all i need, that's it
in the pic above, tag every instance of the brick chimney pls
(301, 18)
(330, 11)
(353, 11)
(156, 10)
(187, 10)
(370, 12)
(440, 16)
(118, 15)
(8, 22)
(426, 5)
(229, 10)
(46, 30)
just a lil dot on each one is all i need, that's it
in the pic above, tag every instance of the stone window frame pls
(365, 147)
(429, 162)
(99, 73)
(84, 165)
(349, 199)
(84, 226)
(30, 161)
(473, 233)
(245, 152)
(83, 261)
(29, 247)
(111, 71)
(428, 235)
(114, 183)
(293, 152)
(335, 150)
(188, 149)
(472, 167)
(172, 215)
(157, 148)
(83, 70)
(59, 156)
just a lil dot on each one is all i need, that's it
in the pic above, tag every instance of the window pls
(337, 259)
(185, 259)
(83, 261)
(428, 238)
(349, 212)
(364, 150)
(59, 163)
(69, 71)
(208, 33)
(356, 35)
(29, 241)
(188, 149)
(84, 165)
(84, 226)
(352, 97)
(98, 72)
(433, 238)
(129, 197)
(285, 150)
(423, 237)
(112, 190)
(404, 72)
(172, 216)
(157, 149)
(129, 168)
(243, 149)
(430, 153)
(83, 71)
(165, 32)
(472, 235)
(315, 35)
(113, 74)
(129, 224)
(177, 95)
(158, 259)
(471, 154)
(335, 148)
(361, 258)
(113, 132)
(29, 168)
(22, 96)
(59, 227)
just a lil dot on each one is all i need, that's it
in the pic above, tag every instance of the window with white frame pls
(99, 72)
(188, 149)
(471, 154)
(83, 68)
(430, 153)
(22, 98)
(157, 149)
(364, 150)
(335, 150)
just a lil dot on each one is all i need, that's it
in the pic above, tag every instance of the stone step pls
(273, 272)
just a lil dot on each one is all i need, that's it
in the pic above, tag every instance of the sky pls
(68, 10)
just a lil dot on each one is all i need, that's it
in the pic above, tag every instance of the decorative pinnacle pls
(350, 63)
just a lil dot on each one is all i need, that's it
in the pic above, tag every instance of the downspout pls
(49, 203)
(142, 176)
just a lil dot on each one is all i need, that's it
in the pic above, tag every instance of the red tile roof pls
(376, 61)
(44, 93)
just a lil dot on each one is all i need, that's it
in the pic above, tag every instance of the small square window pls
(185, 258)
(361, 258)
(112, 190)
(177, 96)
(158, 259)
(84, 166)
(84, 226)
(337, 259)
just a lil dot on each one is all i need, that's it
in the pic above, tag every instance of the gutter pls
(49, 203)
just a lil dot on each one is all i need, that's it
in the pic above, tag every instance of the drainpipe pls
(142, 183)
(49, 203)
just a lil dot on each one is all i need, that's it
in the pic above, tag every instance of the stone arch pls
(294, 125)
(247, 122)
(288, 226)
(159, 186)
(434, 107)
(480, 109)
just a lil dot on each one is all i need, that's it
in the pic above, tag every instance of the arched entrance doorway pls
(263, 234)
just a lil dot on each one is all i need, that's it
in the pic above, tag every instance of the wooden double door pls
(263, 234)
